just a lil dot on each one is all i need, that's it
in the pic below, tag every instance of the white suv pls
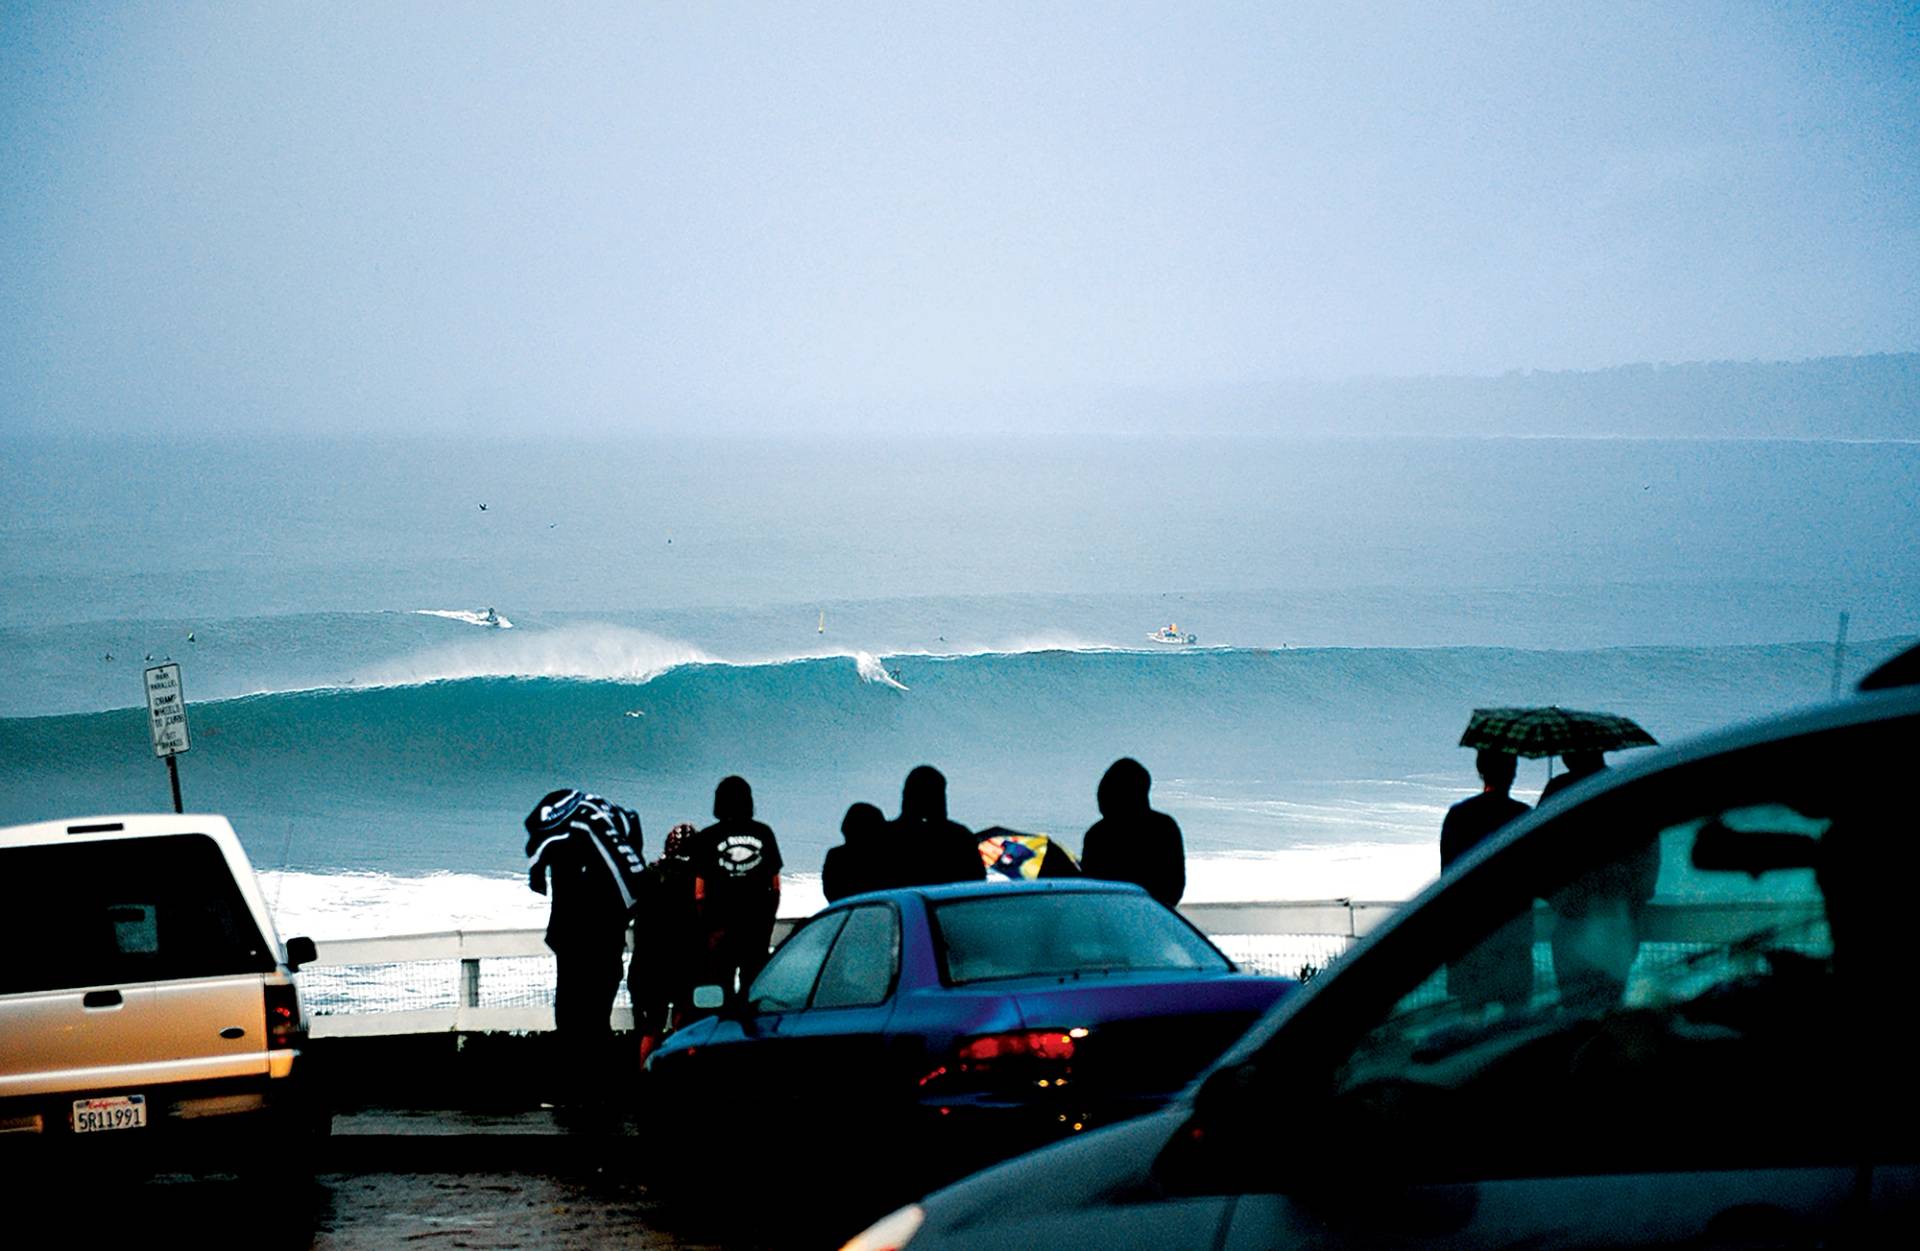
(145, 998)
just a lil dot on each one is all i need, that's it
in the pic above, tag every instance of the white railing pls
(489, 980)
(451, 974)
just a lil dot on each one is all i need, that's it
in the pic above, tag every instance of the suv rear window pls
(101, 913)
(1066, 935)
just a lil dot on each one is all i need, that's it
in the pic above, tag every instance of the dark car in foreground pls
(1715, 1050)
(938, 1028)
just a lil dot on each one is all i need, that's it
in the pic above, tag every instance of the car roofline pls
(985, 889)
(1860, 710)
(110, 827)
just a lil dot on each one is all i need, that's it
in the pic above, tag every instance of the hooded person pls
(1131, 842)
(736, 888)
(667, 941)
(858, 864)
(925, 848)
(584, 854)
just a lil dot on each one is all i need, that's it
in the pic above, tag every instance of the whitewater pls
(822, 617)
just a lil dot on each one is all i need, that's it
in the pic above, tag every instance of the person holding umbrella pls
(1596, 931)
(1580, 766)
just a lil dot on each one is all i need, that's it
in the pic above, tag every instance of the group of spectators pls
(703, 912)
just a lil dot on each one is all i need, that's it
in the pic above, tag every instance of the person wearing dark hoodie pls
(1131, 842)
(736, 888)
(668, 945)
(925, 848)
(856, 865)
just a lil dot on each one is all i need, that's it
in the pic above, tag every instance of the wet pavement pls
(543, 1177)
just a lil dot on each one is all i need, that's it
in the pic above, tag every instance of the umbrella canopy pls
(1551, 731)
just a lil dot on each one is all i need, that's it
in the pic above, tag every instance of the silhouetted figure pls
(1500, 968)
(859, 864)
(1131, 842)
(1580, 765)
(584, 854)
(736, 888)
(924, 847)
(668, 945)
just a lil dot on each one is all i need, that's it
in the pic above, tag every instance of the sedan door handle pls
(101, 999)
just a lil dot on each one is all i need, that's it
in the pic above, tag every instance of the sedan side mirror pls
(300, 951)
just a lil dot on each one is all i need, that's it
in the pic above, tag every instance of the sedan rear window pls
(1069, 934)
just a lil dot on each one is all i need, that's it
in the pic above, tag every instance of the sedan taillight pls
(1045, 1055)
(1026, 1044)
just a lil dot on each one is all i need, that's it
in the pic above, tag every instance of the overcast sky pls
(403, 216)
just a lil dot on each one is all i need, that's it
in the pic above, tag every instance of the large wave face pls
(1251, 749)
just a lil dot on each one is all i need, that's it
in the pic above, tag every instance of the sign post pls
(167, 718)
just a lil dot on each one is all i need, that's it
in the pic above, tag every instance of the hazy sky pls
(404, 216)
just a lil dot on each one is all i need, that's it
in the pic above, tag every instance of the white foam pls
(871, 670)
(1369, 871)
(334, 906)
(602, 652)
(371, 905)
(467, 615)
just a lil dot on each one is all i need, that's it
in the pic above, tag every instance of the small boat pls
(1170, 634)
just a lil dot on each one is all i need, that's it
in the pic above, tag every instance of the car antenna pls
(1839, 654)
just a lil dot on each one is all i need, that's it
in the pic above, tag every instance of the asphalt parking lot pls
(352, 1211)
(537, 1178)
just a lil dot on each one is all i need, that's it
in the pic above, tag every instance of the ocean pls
(820, 615)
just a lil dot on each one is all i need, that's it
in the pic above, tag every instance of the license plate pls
(93, 1116)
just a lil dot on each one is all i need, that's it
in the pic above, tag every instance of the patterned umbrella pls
(1551, 731)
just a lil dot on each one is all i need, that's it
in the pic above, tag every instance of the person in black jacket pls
(857, 865)
(584, 854)
(736, 888)
(1500, 969)
(924, 847)
(1131, 842)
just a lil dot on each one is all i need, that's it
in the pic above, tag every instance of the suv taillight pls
(283, 1018)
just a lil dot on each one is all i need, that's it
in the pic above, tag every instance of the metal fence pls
(479, 980)
(476, 980)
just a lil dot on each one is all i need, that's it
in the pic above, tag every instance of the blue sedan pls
(972, 1021)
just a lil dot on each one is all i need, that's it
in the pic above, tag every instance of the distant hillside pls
(1833, 397)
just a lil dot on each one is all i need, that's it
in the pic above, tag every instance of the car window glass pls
(109, 912)
(1071, 933)
(1674, 983)
(860, 971)
(788, 979)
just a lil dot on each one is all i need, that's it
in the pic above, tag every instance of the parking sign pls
(166, 710)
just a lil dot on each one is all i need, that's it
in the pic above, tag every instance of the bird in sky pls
(483, 508)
